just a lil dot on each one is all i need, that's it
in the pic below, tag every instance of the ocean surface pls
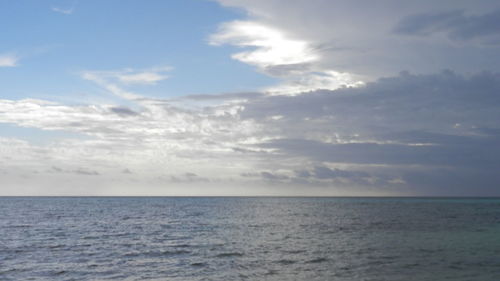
(249, 239)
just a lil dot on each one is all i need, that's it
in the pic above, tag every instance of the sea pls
(242, 238)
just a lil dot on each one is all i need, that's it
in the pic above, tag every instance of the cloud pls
(324, 177)
(470, 152)
(116, 81)
(327, 173)
(86, 172)
(8, 60)
(65, 11)
(188, 177)
(141, 78)
(455, 24)
(405, 102)
(124, 111)
(78, 171)
(68, 10)
(156, 138)
(275, 54)
(227, 96)
(273, 48)
(338, 36)
(315, 80)
(130, 76)
(103, 80)
(273, 177)
(319, 130)
(396, 135)
(392, 129)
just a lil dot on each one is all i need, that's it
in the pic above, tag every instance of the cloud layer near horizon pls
(410, 134)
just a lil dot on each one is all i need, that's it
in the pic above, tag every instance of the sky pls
(250, 98)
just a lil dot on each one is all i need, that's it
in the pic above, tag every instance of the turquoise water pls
(249, 239)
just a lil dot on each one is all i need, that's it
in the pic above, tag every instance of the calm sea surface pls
(249, 239)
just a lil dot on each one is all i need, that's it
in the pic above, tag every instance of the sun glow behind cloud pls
(272, 46)
(276, 54)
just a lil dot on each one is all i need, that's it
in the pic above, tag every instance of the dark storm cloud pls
(456, 24)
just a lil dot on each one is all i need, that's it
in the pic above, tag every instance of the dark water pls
(249, 239)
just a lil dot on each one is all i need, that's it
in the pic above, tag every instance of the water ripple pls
(249, 239)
